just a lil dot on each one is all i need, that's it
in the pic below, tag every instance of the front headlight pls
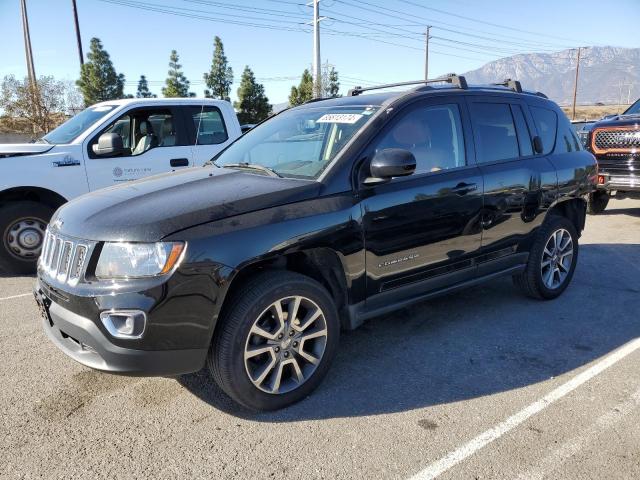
(135, 260)
(584, 136)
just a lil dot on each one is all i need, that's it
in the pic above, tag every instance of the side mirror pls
(537, 145)
(389, 163)
(109, 144)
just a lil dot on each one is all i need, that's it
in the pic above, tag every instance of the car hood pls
(20, 149)
(619, 121)
(152, 208)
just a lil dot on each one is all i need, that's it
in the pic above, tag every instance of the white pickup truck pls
(107, 143)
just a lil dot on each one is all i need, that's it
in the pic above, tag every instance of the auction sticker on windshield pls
(339, 118)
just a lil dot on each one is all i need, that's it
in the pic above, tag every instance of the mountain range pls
(608, 75)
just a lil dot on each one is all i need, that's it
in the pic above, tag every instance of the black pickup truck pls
(615, 141)
(315, 220)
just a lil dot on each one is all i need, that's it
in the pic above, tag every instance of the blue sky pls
(357, 36)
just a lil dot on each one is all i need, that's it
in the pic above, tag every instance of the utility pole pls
(317, 81)
(78, 39)
(575, 85)
(31, 72)
(426, 53)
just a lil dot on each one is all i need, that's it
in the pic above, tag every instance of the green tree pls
(303, 92)
(252, 105)
(176, 84)
(143, 89)
(220, 77)
(331, 84)
(98, 78)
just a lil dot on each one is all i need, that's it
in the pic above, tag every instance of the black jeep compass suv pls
(315, 220)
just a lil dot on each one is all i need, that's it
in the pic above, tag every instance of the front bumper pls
(622, 183)
(81, 339)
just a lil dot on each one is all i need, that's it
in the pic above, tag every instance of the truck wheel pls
(597, 202)
(552, 260)
(275, 343)
(22, 225)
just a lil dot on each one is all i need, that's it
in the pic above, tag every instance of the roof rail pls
(456, 80)
(511, 84)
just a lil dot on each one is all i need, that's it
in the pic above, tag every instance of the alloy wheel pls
(285, 344)
(556, 259)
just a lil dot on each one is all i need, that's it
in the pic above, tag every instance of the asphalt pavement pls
(480, 384)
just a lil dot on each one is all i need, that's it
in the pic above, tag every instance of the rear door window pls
(494, 132)
(546, 123)
(208, 125)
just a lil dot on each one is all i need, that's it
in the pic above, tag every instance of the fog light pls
(124, 323)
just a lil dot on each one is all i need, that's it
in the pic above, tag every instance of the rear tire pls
(292, 321)
(552, 260)
(22, 226)
(597, 202)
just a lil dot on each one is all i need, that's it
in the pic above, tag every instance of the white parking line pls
(573, 446)
(453, 458)
(16, 296)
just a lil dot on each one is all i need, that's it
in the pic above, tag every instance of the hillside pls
(608, 75)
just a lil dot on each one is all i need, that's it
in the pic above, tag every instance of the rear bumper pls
(82, 340)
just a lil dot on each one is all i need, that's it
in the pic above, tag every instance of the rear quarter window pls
(494, 131)
(567, 139)
(547, 125)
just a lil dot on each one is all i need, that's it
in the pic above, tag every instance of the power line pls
(497, 25)
(184, 13)
(395, 14)
(262, 11)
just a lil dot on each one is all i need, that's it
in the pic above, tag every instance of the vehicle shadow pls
(635, 212)
(5, 274)
(478, 342)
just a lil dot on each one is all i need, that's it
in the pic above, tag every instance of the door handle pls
(464, 188)
(179, 162)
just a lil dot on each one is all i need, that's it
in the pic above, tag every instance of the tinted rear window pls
(546, 123)
(494, 131)
(567, 140)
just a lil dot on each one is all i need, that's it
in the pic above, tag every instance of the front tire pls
(597, 202)
(22, 226)
(275, 342)
(552, 260)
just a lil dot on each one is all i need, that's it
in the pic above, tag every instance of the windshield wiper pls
(252, 166)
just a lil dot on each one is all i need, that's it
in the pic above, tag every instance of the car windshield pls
(298, 143)
(72, 128)
(633, 109)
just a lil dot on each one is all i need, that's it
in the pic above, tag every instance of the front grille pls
(619, 139)
(63, 259)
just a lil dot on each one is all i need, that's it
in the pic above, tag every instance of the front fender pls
(233, 244)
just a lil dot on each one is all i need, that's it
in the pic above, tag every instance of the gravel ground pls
(448, 387)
